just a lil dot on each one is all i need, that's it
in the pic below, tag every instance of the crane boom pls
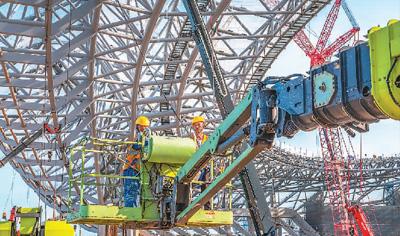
(328, 26)
(349, 14)
(339, 43)
(281, 106)
(361, 219)
(321, 53)
(304, 43)
(21, 146)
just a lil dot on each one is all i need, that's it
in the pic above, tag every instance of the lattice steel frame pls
(78, 64)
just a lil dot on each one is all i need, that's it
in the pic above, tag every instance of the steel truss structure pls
(92, 67)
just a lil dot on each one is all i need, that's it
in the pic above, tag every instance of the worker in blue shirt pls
(131, 167)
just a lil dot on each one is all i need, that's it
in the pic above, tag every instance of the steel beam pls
(251, 184)
(19, 28)
(141, 59)
(21, 146)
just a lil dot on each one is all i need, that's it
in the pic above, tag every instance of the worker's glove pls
(136, 146)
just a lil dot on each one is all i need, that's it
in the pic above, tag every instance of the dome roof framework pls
(91, 67)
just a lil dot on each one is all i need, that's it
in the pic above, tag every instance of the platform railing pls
(97, 147)
(82, 173)
(217, 166)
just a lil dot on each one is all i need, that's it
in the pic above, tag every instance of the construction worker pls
(199, 137)
(198, 126)
(13, 213)
(132, 166)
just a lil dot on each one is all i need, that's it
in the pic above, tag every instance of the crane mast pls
(337, 179)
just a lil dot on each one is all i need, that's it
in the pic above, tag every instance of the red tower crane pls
(345, 215)
(321, 53)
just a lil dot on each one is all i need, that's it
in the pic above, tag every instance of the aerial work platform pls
(160, 163)
(131, 217)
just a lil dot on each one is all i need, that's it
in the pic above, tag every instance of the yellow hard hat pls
(142, 120)
(197, 119)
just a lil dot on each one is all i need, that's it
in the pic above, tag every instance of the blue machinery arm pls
(360, 88)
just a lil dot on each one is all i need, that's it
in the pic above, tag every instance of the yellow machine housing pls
(384, 46)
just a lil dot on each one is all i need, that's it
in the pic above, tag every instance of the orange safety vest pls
(133, 159)
(133, 156)
(194, 137)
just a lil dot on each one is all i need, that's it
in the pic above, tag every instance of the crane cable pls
(10, 193)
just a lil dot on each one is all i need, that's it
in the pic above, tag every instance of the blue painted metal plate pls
(324, 88)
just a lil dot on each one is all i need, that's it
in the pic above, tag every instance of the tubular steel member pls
(213, 69)
(336, 94)
(260, 213)
(21, 146)
(24, 143)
